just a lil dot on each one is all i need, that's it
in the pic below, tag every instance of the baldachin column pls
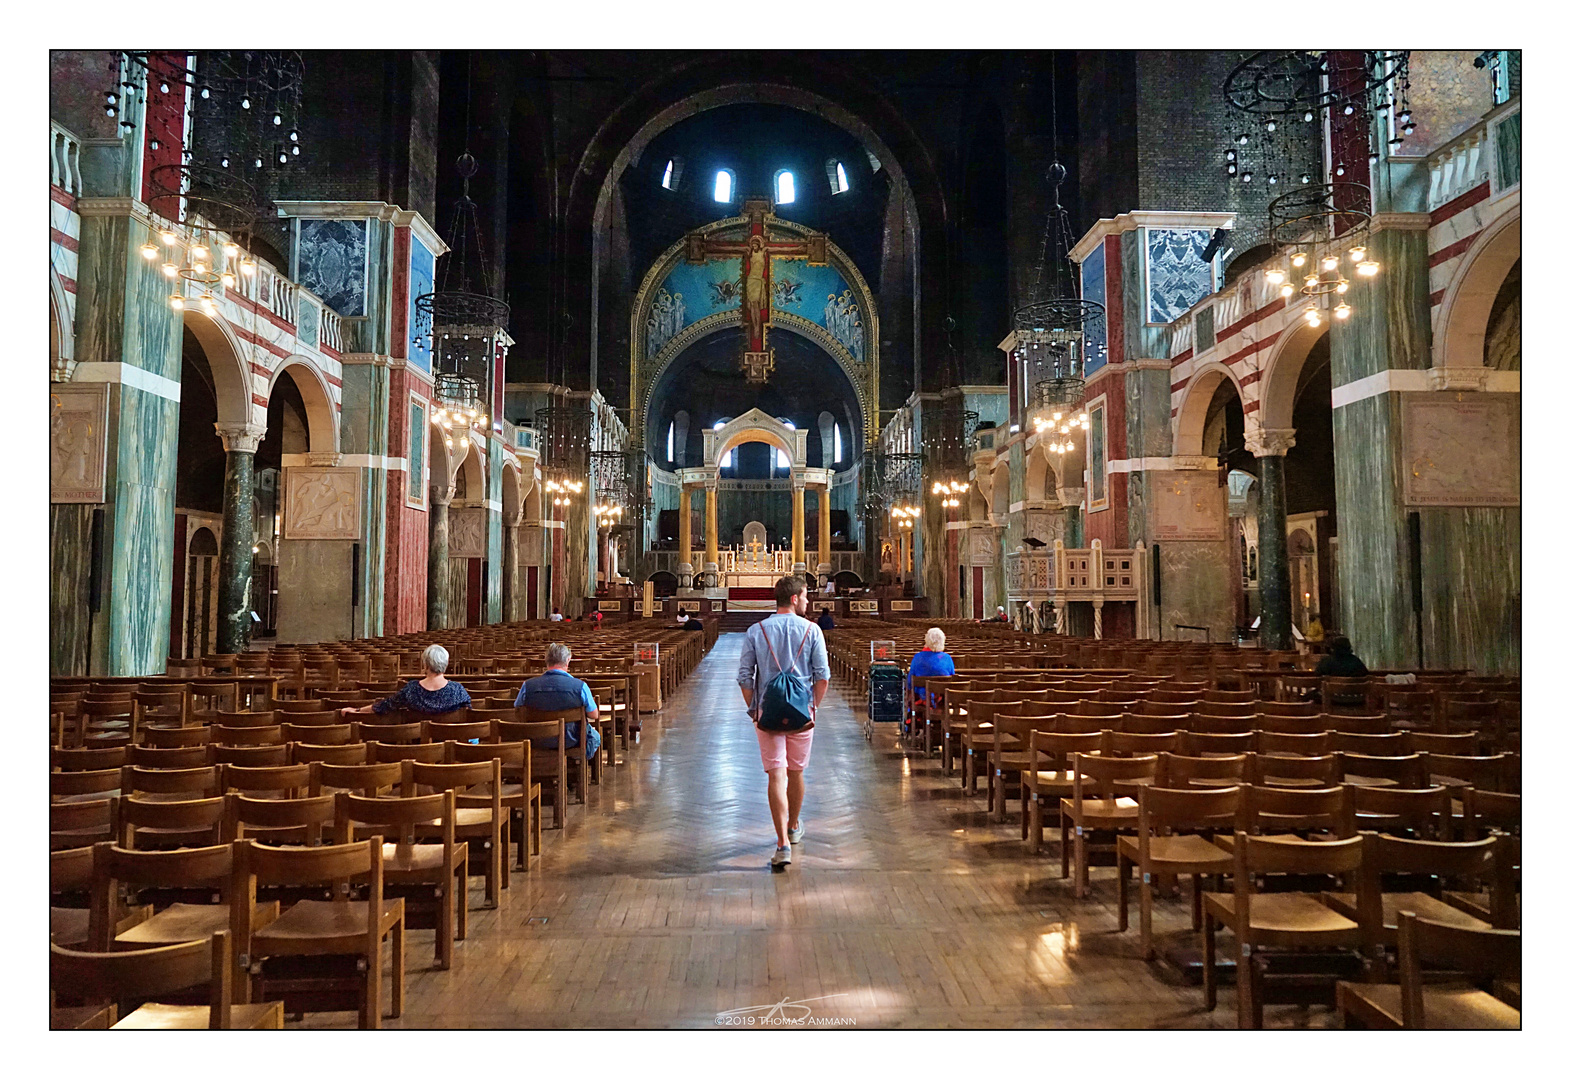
(824, 565)
(711, 528)
(684, 532)
(798, 525)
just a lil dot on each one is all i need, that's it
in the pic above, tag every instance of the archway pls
(320, 412)
(1196, 411)
(1463, 319)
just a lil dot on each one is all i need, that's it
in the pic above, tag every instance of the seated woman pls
(432, 694)
(932, 660)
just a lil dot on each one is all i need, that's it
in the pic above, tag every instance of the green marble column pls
(234, 553)
(512, 592)
(436, 586)
(1276, 600)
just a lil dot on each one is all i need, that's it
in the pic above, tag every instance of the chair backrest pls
(290, 781)
(246, 736)
(1384, 745)
(203, 781)
(296, 821)
(407, 732)
(307, 753)
(459, 776)
(88, 782)
(1156, 722)
(1295, 809)
(1288, 708)
(250, 755)
(432, 753)
(1268, 855)
(1229, 697)
(1487, 773)
(144, 973)
(115, 867)
(1200, 743)
(1465, 743)
(1425, 811)
(1247, 707)
(1406, 770)
(1287, 770)
(372, 779)
(394, 818)
(1486, 812)
(1088, 707)
(437, 731)
(72, 824)
(516, 757)
(180, 816)
(176, 736)
(1222, 725)
(1180, 771)
(83, 759)
(1096, 774)
(1481, 954)
(1467, 862)
(1164, 810)
(1308, 724)
(241, 718)
(1126, 743)
(1304, 745)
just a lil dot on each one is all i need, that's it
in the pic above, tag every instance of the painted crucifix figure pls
(757, 250)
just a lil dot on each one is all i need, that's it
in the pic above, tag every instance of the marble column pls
(824, 563)
(798, 526)
(234, 553)
(1276, 592)
(684, 544)
(437, 586)
(511, 592)
(711, 529)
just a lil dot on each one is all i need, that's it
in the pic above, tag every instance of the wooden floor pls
(904, 907)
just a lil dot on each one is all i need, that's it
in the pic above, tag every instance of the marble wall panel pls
(458, 592)
(1461, 449)
(493, 597)
(70, 556)
(1185, 505)
(1389, 327)
(1472, 580)
(315, 591)
(1196, 589)
(1178, 276)
(332, 259)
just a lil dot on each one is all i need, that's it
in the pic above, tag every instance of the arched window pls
(670, 442)
(838, 450)
(838, 181)
(728, 459)
(725, 183)
(785, 187)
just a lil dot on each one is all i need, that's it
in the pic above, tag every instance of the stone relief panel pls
(466, 532)
(308, 324)
(78, 448)
(531, 545)
(1461, 449)
(1187, 505)
(1044, 525)
(981, 547)
(322, 503)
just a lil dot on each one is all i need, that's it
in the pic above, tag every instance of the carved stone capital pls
(241, 438)
(1459, 378)
(1270, 442)
(442, 496)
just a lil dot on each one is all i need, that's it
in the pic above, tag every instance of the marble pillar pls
(512, 592)
(234, 552)
(684, 545)
(798, 527)
(824, 563)
(437, 584)
(1276, 592)
(711, 531)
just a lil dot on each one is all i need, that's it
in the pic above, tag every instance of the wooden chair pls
(1404, 771)
(1167, 841)
(250, 755)
(521, 795)
(275, 781)
(1484, 772)
(1293, 770)
(1310, 724)
(1296, 812)
(1317, 744)
(408, 732)
(1276, 919)
(170, 783)
(119, 976)
(1229, 743)
(478, 819)
(1287, 708)
(463, 731)
(147, 825)
(170, 738)
(1388, 744)
(1146, 723)
(370, 780)
(321, 928)
(548, 762)
(1423, 813)
(1048, 777)
(1176, 771)
(319, 734)
(91, 785)
(430, 753)
(78, 824)
(308, 753)
(246, 736)
(1135, 744)
(1462, 743)
(85, 758)
(433, 879)
(1345, 694)
(300, 822)
(1098, 774)
(1471, 959)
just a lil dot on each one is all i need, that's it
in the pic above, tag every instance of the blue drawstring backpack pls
(787, 704)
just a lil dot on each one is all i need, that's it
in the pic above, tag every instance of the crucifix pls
(754, 548)
(756, 250)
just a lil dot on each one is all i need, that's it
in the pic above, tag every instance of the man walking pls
(788, 642)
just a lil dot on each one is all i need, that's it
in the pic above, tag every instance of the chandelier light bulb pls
(1312, 316)
(1270, 125)
(1299, 258)
(449, 443)
(248, 267)
(153, 143)
(1058, 416)
(177, 302)
(1271, 179)
(1243, 140)
(223, 162)
(1309, 115)
(258, 163)
(1343, 311)
(207, 303)
(1232, 170)
(1287, 291)
(231, 250)
(206, 93)
(1347, 110)
(295, 150)
(1340, 170)
(278, 121)
(1311, 281)
(245, 103)
(1368, 268)
(1276, 275)
(1329, 263)
(294, 136)
(228, 279)
(149, 251)
(1248, 176)
(1356, 254)
(1341, 286)
(170, 270)
(168, 237)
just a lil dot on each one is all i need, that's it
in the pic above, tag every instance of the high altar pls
(754, 565)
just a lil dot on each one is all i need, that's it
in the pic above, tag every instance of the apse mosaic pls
(422, 280)
(331, 261)
(1093, 286)
(1177, 275)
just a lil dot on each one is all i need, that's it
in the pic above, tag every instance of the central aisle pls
(904, 907)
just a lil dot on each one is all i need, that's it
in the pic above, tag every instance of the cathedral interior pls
(1158, 381)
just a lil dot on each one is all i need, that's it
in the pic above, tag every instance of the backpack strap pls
(794, 656)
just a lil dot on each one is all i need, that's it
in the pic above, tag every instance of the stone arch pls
(470, 463)
(1041, 478)
(756, 426)
(999, 496)
(512, 493)
(1464, 313)
(1279, 381)
(1190, 423)
(62, 335)
(231, 373)
(320, 413)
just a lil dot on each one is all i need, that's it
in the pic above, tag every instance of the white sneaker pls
(782, 856)
(795, 835)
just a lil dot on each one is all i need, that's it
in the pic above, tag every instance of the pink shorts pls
(781, 751)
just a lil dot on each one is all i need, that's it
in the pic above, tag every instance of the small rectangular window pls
(838, 450)
(723, 184)
(665, 181)
(841, 178)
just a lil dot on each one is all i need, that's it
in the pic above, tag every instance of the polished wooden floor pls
(905, 907)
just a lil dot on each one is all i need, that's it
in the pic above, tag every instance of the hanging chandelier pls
(1290, 104)
(562, 490)
(1059, 425)
(950, 492)
(1320, 232)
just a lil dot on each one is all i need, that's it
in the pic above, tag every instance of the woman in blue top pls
(932, 660)
(432, 694)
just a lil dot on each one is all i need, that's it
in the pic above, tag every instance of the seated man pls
(556, 689)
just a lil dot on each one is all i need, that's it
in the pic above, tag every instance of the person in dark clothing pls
(826, 620)
(432, 694)
(1341, 663)
(556, 689)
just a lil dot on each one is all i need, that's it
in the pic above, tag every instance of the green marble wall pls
(364, 429)
(1472, 581)
(70, 552)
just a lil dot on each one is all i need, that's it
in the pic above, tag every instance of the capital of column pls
(798, 481)
(240, 438)
(441, 496)
(1270, 442)
(712, 482)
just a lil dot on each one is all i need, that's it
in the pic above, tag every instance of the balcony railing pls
(65, 160)
(1488, 152)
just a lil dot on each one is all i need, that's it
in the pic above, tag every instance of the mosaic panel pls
(1093, 286)
(332, 261)
(1177, 277)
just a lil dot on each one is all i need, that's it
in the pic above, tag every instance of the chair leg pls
(1123, 893)
(1026, 801)
(967, 784)
(460, 886)
(1194, 907)
(1063, 846)
(1082, 871)
(1147, 945)
(1246, 984)
(444, 928)
(398, 969)
(493, 875)
(371, 1004)
(1208, 965)
(502, 849)
(536, 839)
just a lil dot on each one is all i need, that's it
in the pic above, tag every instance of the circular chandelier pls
(1288, 100)
(1319, 232)
(1059, 427)
(449, 414)
(608, 515)
(905, 515)
(562, 490)
(950, 492)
